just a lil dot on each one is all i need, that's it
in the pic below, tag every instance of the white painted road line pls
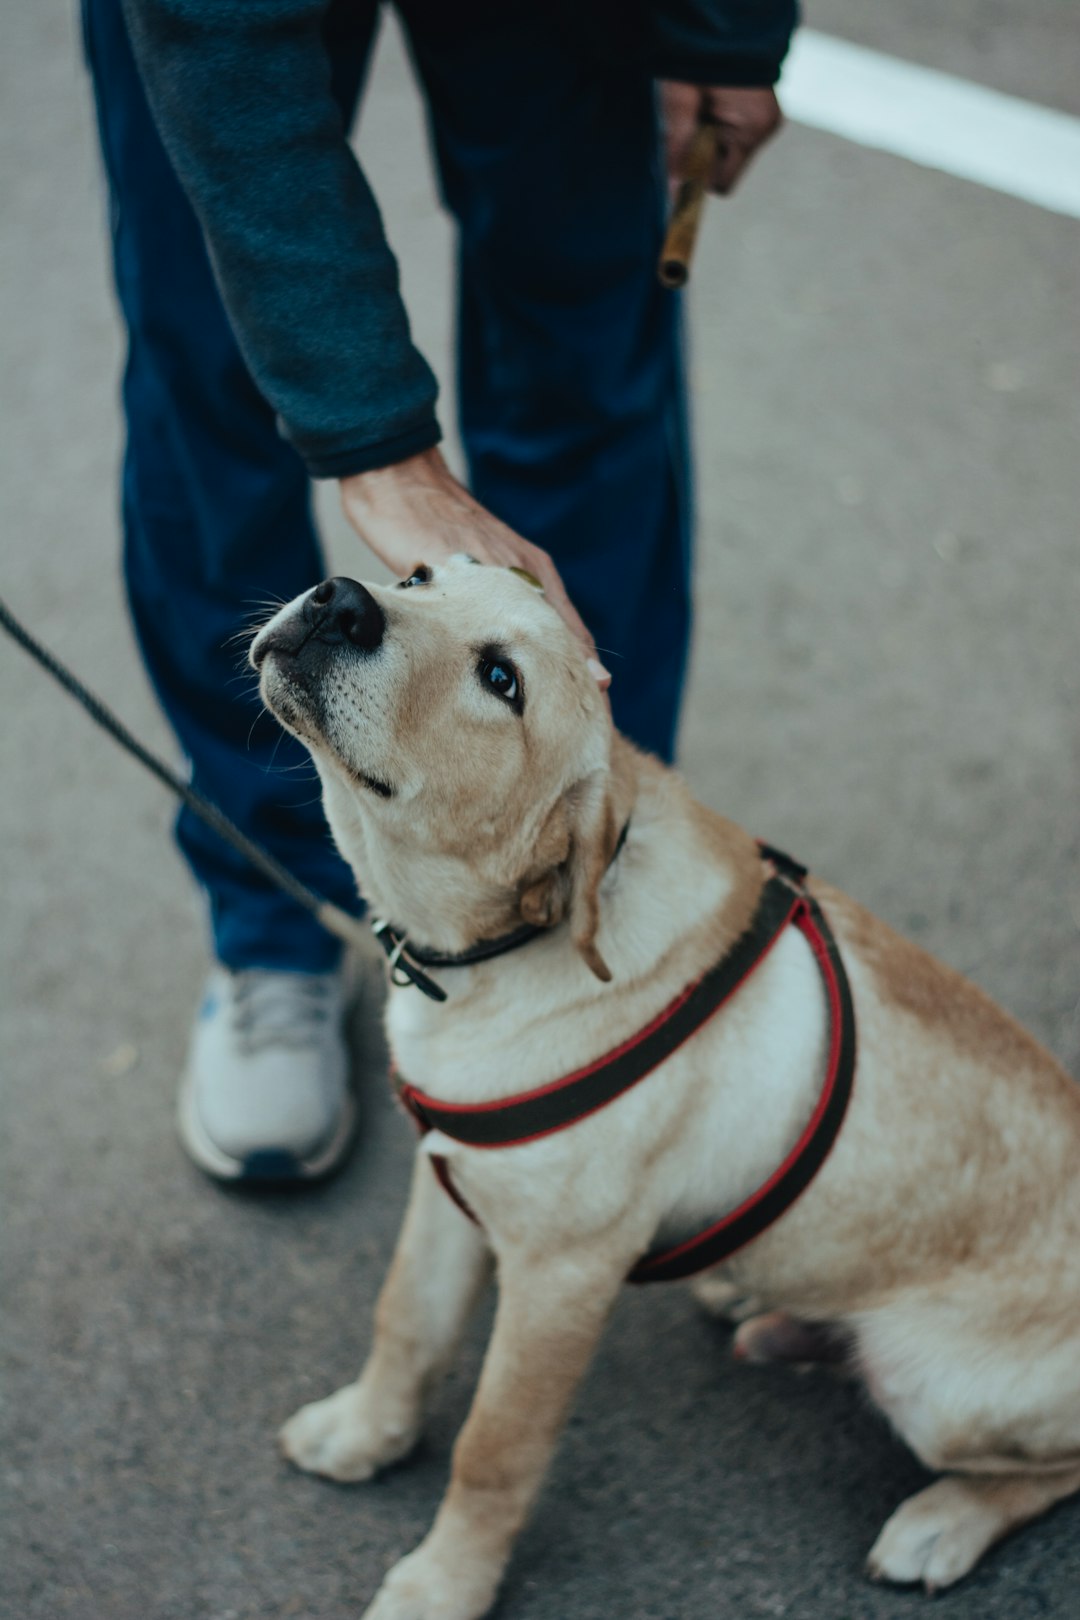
(934, 119)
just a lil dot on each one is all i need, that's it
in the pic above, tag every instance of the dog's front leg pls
(550, 1316)
(440, 1266)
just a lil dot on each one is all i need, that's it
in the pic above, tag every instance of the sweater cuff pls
(701, 68)
(344, 461)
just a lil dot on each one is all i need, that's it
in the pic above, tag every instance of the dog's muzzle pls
(338, 613)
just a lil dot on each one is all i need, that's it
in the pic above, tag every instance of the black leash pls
(332, 918)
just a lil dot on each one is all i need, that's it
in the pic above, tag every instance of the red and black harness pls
(511, 1121)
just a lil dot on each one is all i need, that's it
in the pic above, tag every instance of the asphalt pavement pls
(885, 681)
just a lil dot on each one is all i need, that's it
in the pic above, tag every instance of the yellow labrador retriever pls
(473, 779)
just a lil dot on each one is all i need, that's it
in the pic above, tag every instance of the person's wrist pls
(377, 494)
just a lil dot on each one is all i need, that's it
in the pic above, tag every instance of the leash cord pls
(332, 917)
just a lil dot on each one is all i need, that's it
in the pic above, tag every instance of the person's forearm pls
(241, 95)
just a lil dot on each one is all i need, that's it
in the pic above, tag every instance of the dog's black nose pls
(341, 610)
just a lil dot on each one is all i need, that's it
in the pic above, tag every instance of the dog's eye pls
(421, 575)
(500, 677)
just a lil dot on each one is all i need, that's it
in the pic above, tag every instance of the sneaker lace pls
(280, 1009)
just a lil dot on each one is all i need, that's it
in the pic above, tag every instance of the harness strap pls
(511, 1121)
(776, 1195)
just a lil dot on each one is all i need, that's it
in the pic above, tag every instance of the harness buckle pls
(402, 970)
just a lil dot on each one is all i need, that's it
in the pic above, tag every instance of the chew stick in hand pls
(674, 266)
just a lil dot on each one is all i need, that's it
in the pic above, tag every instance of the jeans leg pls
(217, 526)
(571, 384)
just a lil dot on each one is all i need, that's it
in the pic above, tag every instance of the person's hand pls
(416, 511)
(746, 117)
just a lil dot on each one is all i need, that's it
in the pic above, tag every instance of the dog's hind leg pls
(940, 1534)
(980, 1376)
(439, 1269)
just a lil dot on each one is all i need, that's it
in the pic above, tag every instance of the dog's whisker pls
(244, 674)
(263, 714)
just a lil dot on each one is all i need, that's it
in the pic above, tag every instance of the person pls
(268, 345)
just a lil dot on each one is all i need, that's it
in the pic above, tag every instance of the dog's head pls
(458, 734)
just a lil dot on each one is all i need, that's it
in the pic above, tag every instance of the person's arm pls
(240, 91)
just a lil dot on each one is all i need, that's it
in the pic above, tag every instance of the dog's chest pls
(549, 1191)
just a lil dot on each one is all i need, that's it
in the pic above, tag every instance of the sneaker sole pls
(263, 1166)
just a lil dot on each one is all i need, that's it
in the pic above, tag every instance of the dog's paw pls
(423, 1587)
(935, 1537)
(347, 1436)
(775, 1336)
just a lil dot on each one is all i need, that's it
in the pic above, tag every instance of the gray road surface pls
(886, 681)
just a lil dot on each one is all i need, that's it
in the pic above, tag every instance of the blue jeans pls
(571, 400)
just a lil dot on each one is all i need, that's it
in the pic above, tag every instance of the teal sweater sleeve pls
(240, 91)
(729, 42)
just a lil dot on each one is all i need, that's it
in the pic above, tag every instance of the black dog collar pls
(407, 961)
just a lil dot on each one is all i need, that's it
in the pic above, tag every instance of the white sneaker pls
(265, 1095)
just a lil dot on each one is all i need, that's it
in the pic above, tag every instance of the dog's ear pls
(545, 886)
(592, 844)
(572, 855)
(574, 849)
